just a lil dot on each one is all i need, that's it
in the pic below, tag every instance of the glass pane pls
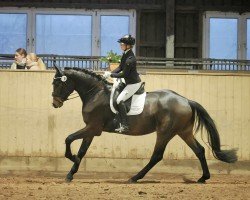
(13, 29)
(113, 28)
(63, 34)
(248, 39)
(223, 38)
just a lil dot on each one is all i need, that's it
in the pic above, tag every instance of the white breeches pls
(127, 92)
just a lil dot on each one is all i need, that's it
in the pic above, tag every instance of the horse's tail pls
(203, 119)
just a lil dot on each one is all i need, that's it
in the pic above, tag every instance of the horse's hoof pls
(131, 181)
(68, 178)
(204, 178)
(201, 181)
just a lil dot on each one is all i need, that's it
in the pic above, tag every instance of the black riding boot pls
(123, 116)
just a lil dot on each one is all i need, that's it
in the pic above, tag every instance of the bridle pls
(64, 79)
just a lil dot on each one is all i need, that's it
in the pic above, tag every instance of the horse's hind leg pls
(199, 151)
(157, 156)
(81, 153)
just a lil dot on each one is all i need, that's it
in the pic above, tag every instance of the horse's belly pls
(141, 125)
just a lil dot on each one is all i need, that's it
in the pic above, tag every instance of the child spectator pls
(34, 63)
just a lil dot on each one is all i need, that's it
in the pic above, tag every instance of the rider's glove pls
(106, 75)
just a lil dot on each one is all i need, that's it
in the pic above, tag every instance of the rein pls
(78, 95)
(72, 97)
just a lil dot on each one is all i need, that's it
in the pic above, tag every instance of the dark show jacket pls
(127, 69)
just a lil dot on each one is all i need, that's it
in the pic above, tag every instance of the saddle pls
(134, 105)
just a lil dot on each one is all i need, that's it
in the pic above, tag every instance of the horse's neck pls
(87, 88)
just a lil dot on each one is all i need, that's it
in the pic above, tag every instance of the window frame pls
(245, 17)
(28, 22)
(59, 12)
(241, 31)
(132, 23)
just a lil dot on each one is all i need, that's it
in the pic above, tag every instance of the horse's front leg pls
(87, 132)
(81, 153)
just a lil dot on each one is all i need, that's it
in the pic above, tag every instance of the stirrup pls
(122, 129)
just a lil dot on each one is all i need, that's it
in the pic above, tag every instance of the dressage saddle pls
(128, 102)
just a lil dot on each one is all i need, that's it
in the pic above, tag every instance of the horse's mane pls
(91, 73)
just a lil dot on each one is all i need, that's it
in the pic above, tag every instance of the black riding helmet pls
(127, 39)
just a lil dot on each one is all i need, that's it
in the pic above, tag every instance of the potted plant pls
(112, 59)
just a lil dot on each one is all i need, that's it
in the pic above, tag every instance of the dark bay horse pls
(165, 112)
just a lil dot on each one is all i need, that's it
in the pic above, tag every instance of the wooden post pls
(170, 12)
(138, 31)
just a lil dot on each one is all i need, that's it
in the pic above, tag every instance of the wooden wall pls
(151, 34)
(30, 126)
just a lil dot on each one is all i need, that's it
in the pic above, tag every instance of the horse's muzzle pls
(57, 102)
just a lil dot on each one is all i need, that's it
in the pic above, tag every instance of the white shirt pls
(126, 51)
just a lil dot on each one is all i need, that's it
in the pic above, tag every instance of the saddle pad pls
(137, 103)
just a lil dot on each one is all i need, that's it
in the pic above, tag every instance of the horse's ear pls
(58, 70)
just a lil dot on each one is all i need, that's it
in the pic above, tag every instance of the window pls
(110, 35)
(226, 36)
(64, 31)
(13, 32)
(63, 34)
(223, 38)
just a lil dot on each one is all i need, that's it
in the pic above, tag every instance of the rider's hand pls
(106, 74)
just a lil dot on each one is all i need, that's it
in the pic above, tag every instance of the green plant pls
(111, 57)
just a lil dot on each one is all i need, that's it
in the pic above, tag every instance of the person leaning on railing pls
(20, 59)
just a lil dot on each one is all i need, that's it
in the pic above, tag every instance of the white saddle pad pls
(137, 104)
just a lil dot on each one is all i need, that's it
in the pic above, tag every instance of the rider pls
(126, 70)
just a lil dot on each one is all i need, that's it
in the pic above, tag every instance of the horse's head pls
(62, 88)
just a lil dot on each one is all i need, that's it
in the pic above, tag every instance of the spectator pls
(34, 63)
(20, 59)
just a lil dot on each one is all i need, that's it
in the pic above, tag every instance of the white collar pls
(126, 51)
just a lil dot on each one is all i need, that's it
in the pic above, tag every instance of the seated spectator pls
(34, 63)
(20, 59)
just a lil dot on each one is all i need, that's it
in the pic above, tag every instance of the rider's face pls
(123, 46)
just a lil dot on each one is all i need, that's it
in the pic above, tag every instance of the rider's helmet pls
(127, 39)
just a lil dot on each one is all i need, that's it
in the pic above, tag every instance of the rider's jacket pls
(127, 69)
